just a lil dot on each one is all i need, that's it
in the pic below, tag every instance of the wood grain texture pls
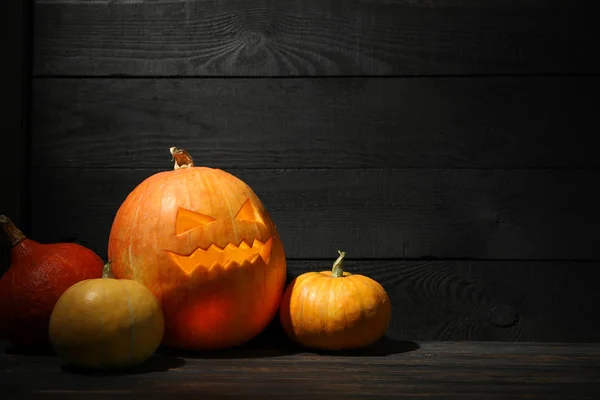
(433, 370)
(319, 123)
(313, 37)
(13, 84)
(377, 213)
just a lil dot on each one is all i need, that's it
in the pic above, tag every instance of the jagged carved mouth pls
(216, 256)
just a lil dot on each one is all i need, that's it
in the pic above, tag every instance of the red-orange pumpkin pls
(201, 240)
(38, 275)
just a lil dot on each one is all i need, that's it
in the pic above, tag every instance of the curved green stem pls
(337, 269)
(13, 233)
(107, 271)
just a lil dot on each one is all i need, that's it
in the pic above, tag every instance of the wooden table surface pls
(391, 369)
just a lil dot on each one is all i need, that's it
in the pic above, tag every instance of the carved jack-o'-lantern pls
(201, 240)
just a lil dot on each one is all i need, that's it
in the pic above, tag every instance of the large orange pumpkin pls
(201, 240)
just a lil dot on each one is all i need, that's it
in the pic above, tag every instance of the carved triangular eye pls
(249, 213)
(188, 220)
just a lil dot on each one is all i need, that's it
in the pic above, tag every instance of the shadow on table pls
(156, 363)
(254, 349)
(282, 347)
(36, 351)
(383, 347)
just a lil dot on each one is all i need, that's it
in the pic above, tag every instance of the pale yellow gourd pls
(106, 323)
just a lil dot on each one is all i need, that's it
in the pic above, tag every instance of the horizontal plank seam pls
(451, 259)
(357, 76)
(152, 169)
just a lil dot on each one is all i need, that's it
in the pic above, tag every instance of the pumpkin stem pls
(107, 271)
(182, 158)
(13, 233)
(337, 270)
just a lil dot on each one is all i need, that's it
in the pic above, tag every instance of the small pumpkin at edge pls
(106, 323)
(38, 275)
(335, 310)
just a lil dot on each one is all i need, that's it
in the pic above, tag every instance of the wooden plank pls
(12, 140)
(441, 371)
(319, 123)
(313, 37)
(374, 213)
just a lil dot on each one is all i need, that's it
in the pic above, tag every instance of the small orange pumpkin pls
(335, 310)
(202, 241)
(106, 323)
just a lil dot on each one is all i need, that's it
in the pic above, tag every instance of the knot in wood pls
(252, 38)
(503, 316)
(256, 38)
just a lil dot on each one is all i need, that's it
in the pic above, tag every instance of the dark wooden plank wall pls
(313, 37)
(445, 145)
(14, 97)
